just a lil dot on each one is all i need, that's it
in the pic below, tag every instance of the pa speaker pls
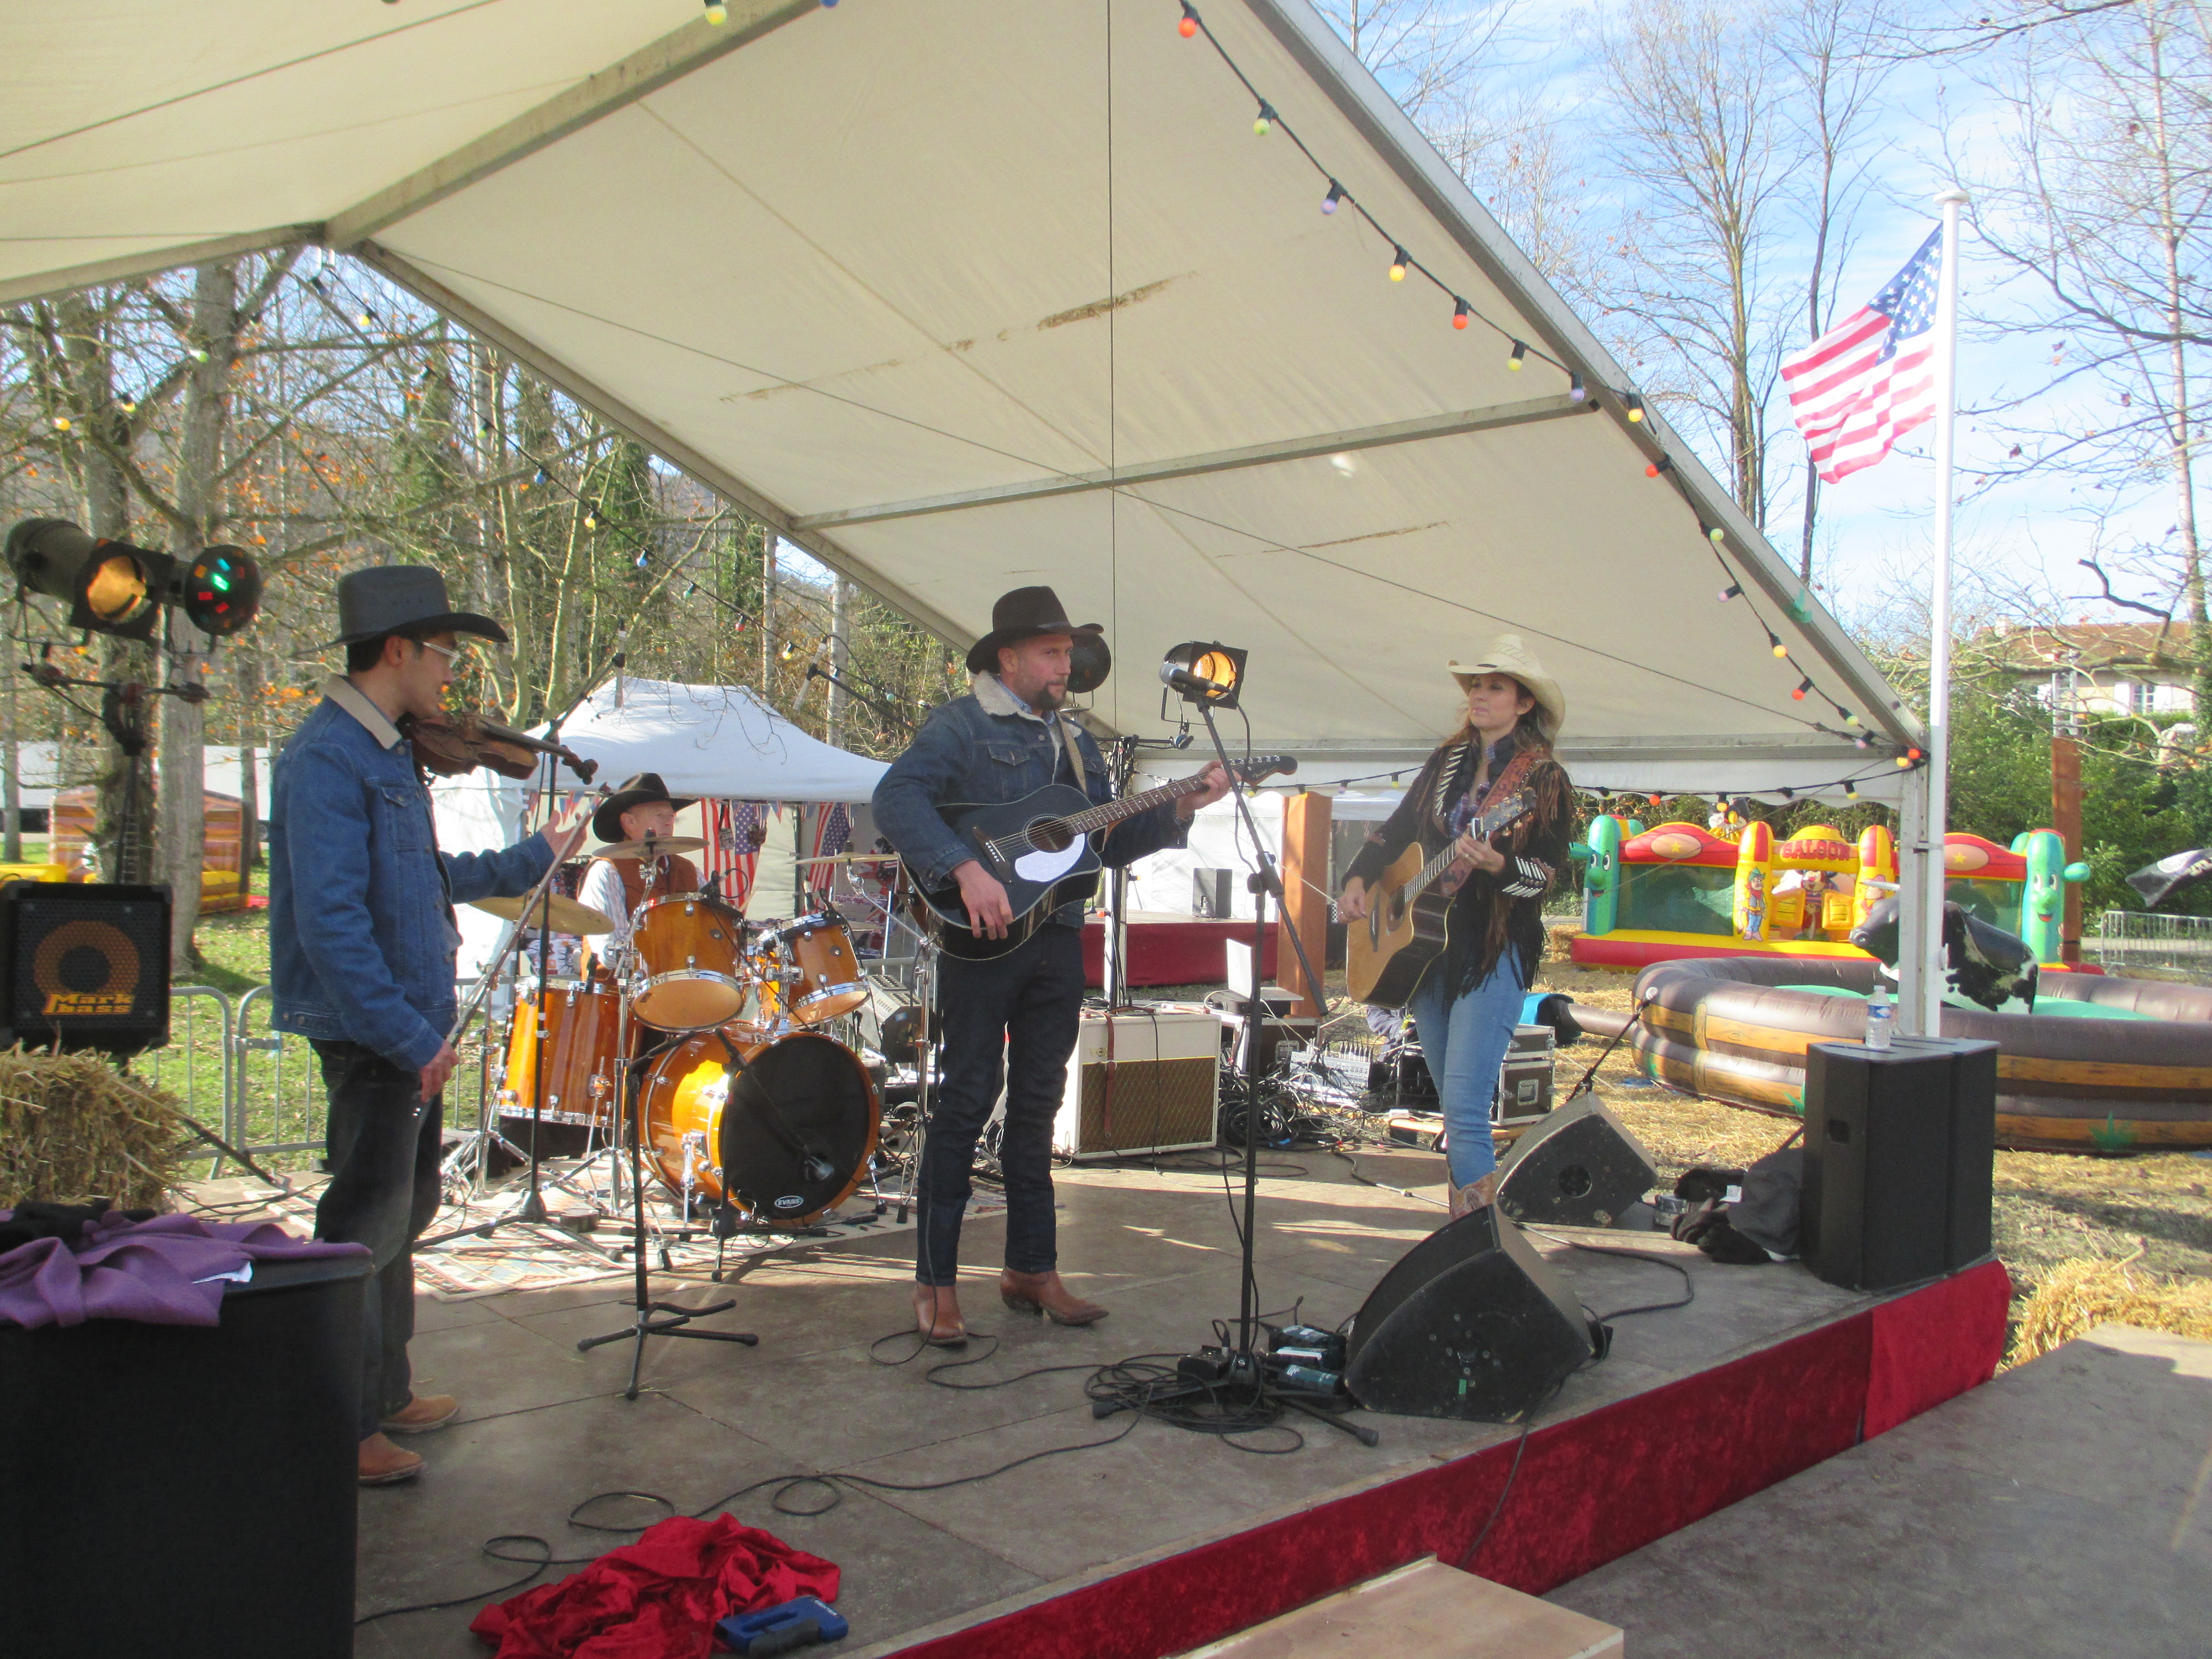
(1900, 1146)
(84, 965)
(1577, 1167)
(1472, 1323)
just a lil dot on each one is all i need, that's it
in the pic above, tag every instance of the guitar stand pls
(674, 1317)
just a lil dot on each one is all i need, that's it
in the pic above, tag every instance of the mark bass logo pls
(81, 1002)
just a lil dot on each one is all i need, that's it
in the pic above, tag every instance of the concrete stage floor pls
(544, 1426)
(2064, 1508)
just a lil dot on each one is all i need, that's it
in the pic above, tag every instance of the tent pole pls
(1930, 936)
(1913, 888)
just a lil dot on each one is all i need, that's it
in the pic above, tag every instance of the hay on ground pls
(73, 1128)
(2082, 1293)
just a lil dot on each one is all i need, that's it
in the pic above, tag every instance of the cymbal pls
(852, 858)
(569, 916)
(649, 847)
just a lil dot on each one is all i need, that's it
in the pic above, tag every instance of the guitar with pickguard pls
(1407, 926)
(1042, 849)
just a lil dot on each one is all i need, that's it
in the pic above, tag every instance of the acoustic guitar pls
(1407, 926)
(1041, 849)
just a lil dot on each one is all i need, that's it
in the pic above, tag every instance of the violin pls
(457, 745)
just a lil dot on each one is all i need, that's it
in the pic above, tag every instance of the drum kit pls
(749, 1105)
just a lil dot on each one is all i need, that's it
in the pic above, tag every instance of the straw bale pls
(2085, 1290)
(73, 1127)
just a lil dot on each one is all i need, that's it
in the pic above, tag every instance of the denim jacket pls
(362, 940)
(990, 746)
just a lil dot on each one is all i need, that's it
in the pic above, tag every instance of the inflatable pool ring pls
(2140, 1076)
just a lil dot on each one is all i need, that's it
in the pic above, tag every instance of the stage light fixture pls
(114, 587)
(1209, 674)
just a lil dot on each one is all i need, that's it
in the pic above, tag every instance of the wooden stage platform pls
(1164, 1539)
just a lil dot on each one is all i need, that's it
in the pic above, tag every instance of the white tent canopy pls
(969, 294)
(711, 740)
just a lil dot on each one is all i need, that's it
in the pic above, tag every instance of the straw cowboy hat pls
(1507, 655)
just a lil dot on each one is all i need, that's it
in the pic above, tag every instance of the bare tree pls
(2104, 214)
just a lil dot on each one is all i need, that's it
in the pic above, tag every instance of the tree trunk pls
(11, 782)
(841, 653)
(248, 676)
(124, 783)
(184, 724)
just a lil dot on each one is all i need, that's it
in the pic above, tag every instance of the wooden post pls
(2066, 819)
(1305, 911)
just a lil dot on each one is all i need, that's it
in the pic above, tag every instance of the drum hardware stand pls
(674, 1316)
(1246, 1381)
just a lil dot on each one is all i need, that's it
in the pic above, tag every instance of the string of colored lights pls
(1848, 784)
(1269, 119)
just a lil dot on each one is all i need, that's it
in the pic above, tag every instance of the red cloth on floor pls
(658, 1598)
(1936, 1343)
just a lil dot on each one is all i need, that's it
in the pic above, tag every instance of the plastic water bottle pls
(1878, 1016)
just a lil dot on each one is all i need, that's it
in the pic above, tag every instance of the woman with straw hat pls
(1468, 1001)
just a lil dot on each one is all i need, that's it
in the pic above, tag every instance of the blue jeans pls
(1465, 1045)
(1015, 1017)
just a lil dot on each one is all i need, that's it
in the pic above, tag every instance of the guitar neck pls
(1113, 811)
(1482, 829)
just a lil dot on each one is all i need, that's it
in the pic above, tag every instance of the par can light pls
(1210, 674)
(114, 587)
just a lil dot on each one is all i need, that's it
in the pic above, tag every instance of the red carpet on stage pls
(1186, 952)
(1590, 1488)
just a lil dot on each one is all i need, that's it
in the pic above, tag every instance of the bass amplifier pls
(1140, 1081)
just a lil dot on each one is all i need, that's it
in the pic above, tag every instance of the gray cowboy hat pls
(392, 598)
(640, 791)
(1022, 615)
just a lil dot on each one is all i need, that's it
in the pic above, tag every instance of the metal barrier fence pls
(2138, 939)
(262, 1090)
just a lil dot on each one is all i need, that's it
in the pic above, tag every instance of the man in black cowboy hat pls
(643, 807)
(362, 949)
(1018, 1013)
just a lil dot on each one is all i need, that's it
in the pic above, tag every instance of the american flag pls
(732, 826)
(1871, 379)
(833, 832)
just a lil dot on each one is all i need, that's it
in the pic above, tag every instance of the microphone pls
(1177, 678)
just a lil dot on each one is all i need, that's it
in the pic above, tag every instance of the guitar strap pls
(1066, 728)
(1501, 786)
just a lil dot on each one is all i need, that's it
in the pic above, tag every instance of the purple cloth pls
(146, 1270)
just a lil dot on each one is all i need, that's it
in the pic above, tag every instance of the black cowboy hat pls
(1022, 615)
(393, 598)
(641, 790)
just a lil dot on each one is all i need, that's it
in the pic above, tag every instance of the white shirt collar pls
(350, 697)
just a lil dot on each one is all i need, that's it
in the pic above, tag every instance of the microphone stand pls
(1246, 1383)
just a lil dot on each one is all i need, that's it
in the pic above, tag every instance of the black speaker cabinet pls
(1577, 1167)
(1899, 1148)
(84, 965)
(1472, 1323)
(187, 1490)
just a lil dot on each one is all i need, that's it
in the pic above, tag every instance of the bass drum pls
(790, 1137)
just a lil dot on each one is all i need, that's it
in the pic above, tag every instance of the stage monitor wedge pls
(84, 965)
(1577, 1167)
(1471, 1324)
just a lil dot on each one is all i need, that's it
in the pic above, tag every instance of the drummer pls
(615, 887)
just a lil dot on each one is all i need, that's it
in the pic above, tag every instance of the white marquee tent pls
(969, 294)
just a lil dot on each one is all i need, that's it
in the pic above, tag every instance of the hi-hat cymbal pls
(649, 849)
(569, 916)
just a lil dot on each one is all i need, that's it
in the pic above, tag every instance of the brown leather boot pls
(422, 1413)
(1044, 1293)
(383, 1464)
(1475, 1196)
(937, 1317)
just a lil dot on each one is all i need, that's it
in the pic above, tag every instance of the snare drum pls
(581, 1071)
(784, 1138)
(826, 980)
(684, 953)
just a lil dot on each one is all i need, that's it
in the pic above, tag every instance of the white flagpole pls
(1932, 867)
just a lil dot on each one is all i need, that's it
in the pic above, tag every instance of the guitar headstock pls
(1262, 766)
